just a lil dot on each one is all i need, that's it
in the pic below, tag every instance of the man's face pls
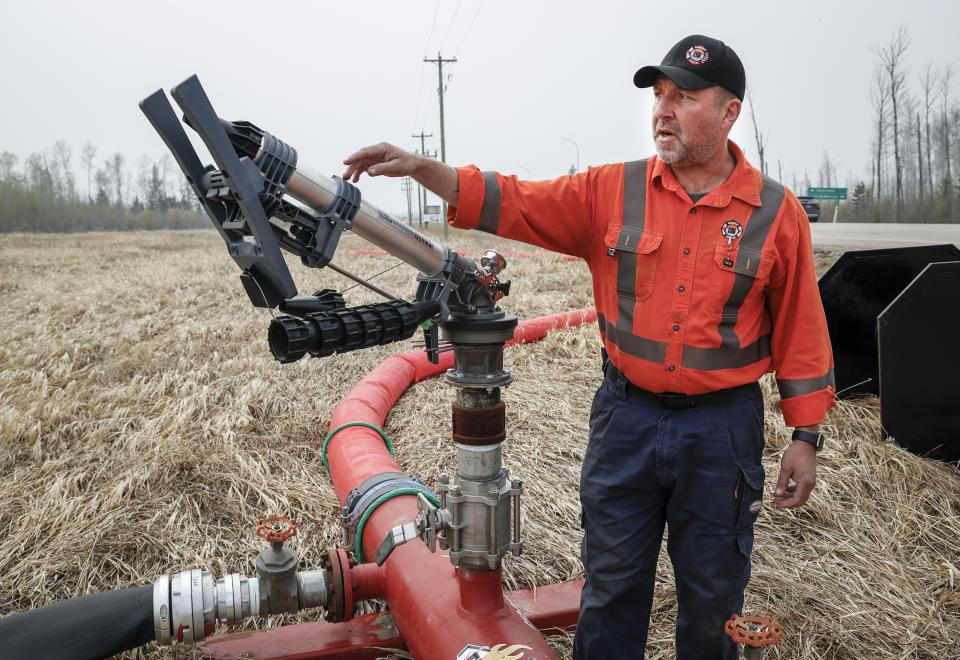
(688, 126)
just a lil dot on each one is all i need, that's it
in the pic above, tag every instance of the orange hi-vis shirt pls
(691, 297)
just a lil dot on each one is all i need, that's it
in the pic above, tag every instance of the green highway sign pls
(827, 193)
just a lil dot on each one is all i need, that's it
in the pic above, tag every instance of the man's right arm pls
(556, 215)
(384, 159)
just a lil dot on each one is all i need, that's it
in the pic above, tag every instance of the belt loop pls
(621, 383)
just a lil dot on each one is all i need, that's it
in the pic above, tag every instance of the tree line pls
(916, 141)
(914, 151)
(42, 193)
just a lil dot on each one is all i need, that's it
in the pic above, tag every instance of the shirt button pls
(686, 250)
(676, 328)
(681, 288)
(672, 368)
(693, 210)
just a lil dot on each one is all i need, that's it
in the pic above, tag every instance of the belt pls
(674, 400)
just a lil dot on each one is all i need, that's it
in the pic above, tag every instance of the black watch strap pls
(815, 439)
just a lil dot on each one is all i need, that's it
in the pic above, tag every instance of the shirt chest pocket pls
(634, 254)
(736, 274)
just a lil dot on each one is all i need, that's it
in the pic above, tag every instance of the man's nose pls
(663, 108)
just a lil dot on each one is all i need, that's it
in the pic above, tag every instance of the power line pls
(432, 25)
(450, 27)
(426, 49)
(469, 27)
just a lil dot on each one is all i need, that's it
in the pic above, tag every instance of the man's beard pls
(673, 154)
(683, 150)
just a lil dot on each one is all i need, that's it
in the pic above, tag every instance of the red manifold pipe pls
(438, 609)
(435, 609)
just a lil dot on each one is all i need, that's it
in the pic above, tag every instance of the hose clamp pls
(362, 497)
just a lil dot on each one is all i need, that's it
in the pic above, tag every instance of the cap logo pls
(697, 54)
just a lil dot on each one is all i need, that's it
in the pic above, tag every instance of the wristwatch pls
(815, 439)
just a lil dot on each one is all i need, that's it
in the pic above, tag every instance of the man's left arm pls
(800, 347)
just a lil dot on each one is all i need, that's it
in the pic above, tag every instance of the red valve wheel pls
(276, 528)
(753, 630)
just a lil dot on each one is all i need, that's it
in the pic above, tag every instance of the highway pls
(865, 236)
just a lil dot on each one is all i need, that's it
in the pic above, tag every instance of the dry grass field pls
(144, 427)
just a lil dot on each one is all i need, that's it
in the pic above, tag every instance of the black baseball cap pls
(697, 62)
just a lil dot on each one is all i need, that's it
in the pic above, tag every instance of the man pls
(703, 278)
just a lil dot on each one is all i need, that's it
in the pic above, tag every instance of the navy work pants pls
(698, 471)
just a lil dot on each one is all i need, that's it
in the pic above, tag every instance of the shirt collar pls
(743, 183)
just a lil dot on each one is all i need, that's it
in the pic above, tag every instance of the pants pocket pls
(750, 495)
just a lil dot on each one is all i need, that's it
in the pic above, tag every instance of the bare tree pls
(8, 162)
(919, 160)
(114, 167)
(103, 180)
(37, 171)
(878, 97)
(827, 172)
(165, 165)
(143, 178)
(62, 153)
(87, 154)
(757, 135)
(930, 88)
(945, 129)
(894, 68)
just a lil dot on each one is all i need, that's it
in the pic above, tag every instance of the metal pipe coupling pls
(188, 605)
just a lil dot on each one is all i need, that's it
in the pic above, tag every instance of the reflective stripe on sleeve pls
(748, 258)
(725, 357)
(490, 211)
(791, 387)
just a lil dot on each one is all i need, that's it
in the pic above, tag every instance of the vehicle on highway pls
(811, 206)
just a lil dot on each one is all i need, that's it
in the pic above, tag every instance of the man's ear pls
(731, 111)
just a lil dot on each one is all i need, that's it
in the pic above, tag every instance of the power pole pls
(443, 143)
(422, 197)
(421, 193)
(434, 156)
(407, 184)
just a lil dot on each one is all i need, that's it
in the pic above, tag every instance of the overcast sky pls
(330, 77)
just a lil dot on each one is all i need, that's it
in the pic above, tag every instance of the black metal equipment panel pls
(855, 289)
(919, 337)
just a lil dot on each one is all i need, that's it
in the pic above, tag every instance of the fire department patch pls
(697, 54)
(731, 229)
(498, 652)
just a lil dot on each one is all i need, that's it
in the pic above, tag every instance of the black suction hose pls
(93, 626)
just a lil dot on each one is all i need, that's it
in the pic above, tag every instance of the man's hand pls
(382, 159)
(799, 465)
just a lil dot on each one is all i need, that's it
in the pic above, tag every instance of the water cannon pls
(263, 200)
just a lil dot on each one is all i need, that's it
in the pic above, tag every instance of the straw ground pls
(144, 428)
